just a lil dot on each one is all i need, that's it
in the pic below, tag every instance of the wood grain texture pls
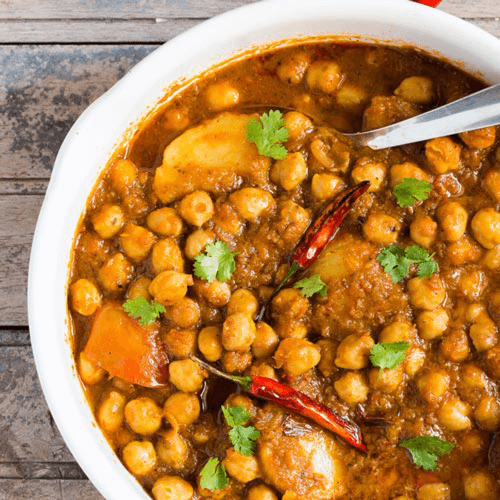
(48, 490)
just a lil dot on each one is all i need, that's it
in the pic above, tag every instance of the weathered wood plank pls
(48, 490)
(14, 338)
(23, 186)
(17, 224)
(93, 31)
(476, 9)
(42, 92)
(124, 9)
(37, 470)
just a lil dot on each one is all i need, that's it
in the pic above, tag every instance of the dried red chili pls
(320, 233)
(298, 402)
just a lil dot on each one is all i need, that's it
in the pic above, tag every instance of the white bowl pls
(102, 126)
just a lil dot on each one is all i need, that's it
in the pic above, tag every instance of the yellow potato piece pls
(212, 156)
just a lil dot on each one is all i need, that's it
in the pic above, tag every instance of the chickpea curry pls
(261, 310)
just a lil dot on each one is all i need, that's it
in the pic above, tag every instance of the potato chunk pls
(212, 156)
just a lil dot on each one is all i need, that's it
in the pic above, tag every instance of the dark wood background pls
(56, 57)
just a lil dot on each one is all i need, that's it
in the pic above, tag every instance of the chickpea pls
(381, 228)
(222, 95)
(165, 222)
(243, 301)
(197, 241)
(242, 467)
(483, 333)
(290, 172)
(463, 251)
(493, 361)
(185, 313)
(296, 356)
(180, 343)
(139, 288)
(136, 242)
(472, 442)
(471, 284)
(396, 331)
(326, 186)
(423, 231)
(492, 258)
(432, 324)
(183, 407)
(169, 287)
(196, 208)
(366, 169)
(252, 203)
(407, 170)
(352, 388)
(292, 222)
(243, 401)
(172, 488)
(324, 76)
(292, 69)
(453, 219)
(265, 342)
(298, 125)
(108, 221)
(492, 183)
(172, 450)
(426, 293)
(177, 118)
(122, 175)
(455, 346)
(263, 370)
(443, 155)
(261, 492)
(354, 351)
(116, 273)
(89, 372)
(167, 256)
(485, 226)
(209, 343)
(414, 361)
(215, 293)
(85, 297)
(417, 90)
(143, 416)
(139, 457)
(351, 96)
(434, 491)
(111, 412)
(289, 309)
(454, 415)
(481, 485)
(487, 414)
(479, 139)
(386, 380)
(238, 332)
(236, 362)
(186, 375)
(433, 385)
(328, 351)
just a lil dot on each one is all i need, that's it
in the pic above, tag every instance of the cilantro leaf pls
(235, 415)
(396, 261)
(268, 134)
(425, 450)
(311, 285)
(146, 312)
(389, 354)
(213, 475)
(408, 191)
(244, 439)
(216, 263)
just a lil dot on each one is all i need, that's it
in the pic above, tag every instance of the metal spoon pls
(478, 110)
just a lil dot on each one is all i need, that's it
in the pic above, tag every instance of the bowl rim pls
(74, 176)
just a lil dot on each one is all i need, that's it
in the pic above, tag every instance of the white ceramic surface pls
(90, 142)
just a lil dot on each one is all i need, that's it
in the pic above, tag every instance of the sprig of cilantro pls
(409, 190)
(311, 285)
(213, 475)
(397, 260)
(268, 134)
(242, 438)
(216, 263)
(425, 450)
(389, 354)
(146, 312)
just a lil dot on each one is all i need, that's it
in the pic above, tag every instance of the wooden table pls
(56, 57)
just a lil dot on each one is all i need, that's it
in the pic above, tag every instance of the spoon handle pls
(472, 112)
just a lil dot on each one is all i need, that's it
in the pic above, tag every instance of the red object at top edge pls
(430, 3)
